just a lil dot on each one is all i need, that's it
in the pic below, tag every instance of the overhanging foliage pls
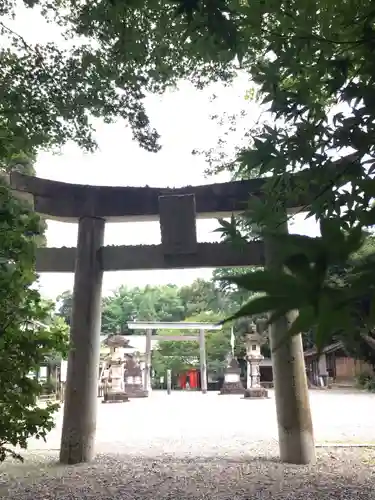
(314, 72)
(23, 349)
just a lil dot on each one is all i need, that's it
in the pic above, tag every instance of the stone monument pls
(254, 340)
(114, 383)
(133, 378)
(232, 378)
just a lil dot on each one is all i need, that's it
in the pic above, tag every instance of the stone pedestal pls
(254, 389)
(232, 379)
(256, 393)
(133, 379)
(134, 388)
(115, 378)
(115, 390)
(115, 397)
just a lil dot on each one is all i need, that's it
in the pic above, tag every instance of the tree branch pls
(369, 340)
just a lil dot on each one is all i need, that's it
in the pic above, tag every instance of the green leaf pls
(332, 317)
(291, 244)
(258, 305)
(355, 240)
(331, 232)
(267, 281)
(278, 314)
(371, 315)
(299, 265)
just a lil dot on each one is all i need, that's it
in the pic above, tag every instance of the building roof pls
(335, 346)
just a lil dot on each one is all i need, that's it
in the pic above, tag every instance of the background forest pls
(202, 301)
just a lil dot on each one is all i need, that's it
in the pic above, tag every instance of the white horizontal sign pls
(183, 325)
(176, 337)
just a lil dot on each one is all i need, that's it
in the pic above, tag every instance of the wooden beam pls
(127, 258)
(68, 202)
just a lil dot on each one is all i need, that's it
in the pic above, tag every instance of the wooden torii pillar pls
(80, 404)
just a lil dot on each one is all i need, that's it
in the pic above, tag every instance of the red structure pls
(194, 378)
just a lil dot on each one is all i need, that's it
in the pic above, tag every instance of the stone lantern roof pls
(117, 341)
(255, 337)
(249, 326)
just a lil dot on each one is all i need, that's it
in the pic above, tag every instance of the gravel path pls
(345, 474)
(190, 446)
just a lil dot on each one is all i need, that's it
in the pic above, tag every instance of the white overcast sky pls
(183, 119)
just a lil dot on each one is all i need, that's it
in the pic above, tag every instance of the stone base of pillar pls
(256, 393)
(135, 391)
(116, 397)
(232, 388)
(232, 379)
(133, 378)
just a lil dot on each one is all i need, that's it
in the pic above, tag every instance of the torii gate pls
(171, 325)
(176, 209)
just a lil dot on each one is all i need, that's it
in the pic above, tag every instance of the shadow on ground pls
(343, 474)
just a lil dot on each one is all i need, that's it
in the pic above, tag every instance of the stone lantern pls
(254, 340)
(232, 378)
(133, 378)
(114, 387)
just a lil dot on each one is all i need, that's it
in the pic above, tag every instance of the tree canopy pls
(25, 164)
(201, 301)
(108, 57)
(158, 303)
